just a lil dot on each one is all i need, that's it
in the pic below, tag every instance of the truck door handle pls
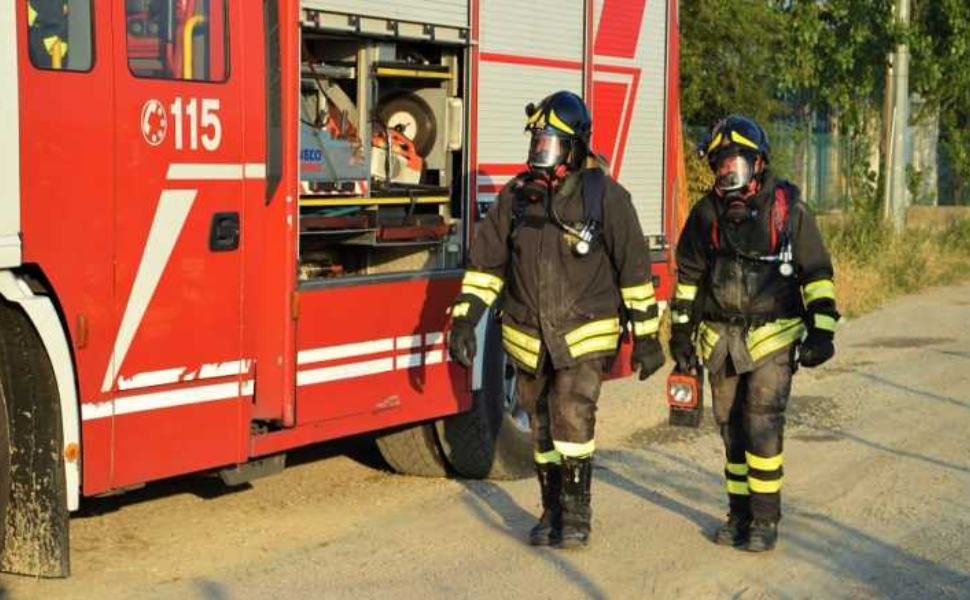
(224, 233)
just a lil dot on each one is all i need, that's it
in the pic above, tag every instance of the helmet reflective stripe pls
(740, 139)
(534, 118)
(558, 123)
(714, 143)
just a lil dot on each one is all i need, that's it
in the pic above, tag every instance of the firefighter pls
(47, 22)
(754, 300)
(563, 246)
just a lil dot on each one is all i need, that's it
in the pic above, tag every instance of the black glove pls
(816, 349)
(648, 356)
(682, 348)
(461, 342)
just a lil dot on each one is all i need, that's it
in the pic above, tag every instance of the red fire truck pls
(228, 229)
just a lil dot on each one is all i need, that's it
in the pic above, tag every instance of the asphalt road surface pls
(877, 503)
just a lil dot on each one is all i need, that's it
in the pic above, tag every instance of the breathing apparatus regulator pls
(737, 150)
(560, 128)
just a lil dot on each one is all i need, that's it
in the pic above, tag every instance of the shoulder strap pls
(519, 201)
(594, 193)
(780, 214)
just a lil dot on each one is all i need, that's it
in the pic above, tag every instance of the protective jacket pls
(752, 286)
(559, 304)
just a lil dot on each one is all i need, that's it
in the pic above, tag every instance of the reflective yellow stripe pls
(764, 487)
(638, 292)
(648, 327)
(738, 488)
(573, 450)
(31, 15)
(558, 123)
(680, 317)
(523, 356)
(707, 340)
(737, 468)
(487, 296)
(823, 288)
(774, 336)
(482, 280)
(686, 292)
(601, 327)
(596, 344)
(771, 463)
(535, 117)
(641, 305)
(715, 142)
(461, 309)
(553, 457)
(523, 340)
(740, 139)
(825, 322)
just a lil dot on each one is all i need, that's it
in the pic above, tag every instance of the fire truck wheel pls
(33, 493)
(493, 439)
(412, 116)
(413, 450)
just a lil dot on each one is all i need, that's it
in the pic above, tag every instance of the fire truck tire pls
(415, 118)
(33, 492)
(414, 451)
(493, 439)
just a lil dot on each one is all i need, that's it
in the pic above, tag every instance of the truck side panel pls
(10, 251)
(68, 207)
(377, 349)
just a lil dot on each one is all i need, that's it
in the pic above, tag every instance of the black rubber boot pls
(577, 474)
(762, 536)
(546, 532)
(734, 532)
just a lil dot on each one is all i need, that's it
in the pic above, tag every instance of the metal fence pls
(837, 172)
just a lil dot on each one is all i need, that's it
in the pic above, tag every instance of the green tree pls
(941, 76)
(729, 59)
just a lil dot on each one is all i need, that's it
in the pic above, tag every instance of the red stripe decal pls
(619, 28)
(500, 169)
(532, 61)
(627, 121)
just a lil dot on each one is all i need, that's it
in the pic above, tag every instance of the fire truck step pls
(254, 469)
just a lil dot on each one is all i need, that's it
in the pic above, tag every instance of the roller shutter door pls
(453, 13)
(522, 62)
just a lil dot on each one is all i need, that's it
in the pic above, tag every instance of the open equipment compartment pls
(365, 210)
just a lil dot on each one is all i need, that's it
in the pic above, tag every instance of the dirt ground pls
(877, 503)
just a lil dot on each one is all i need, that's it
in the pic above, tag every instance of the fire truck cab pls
(228, 229)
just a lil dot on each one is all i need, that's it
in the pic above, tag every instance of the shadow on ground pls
(661, 477)
(208, 485)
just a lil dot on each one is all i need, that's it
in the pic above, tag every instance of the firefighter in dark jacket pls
(563, 246)
(754, 299)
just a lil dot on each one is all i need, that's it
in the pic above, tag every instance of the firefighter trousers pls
(562, 408)
(749, 409)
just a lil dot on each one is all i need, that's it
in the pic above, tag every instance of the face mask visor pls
(547, 150)
(733, 173)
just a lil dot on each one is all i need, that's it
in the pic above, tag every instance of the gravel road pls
(877, 503)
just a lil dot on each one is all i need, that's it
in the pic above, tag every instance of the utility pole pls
(898, 191)
(888, 110)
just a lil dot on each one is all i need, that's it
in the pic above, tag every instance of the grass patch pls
(873, 263)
